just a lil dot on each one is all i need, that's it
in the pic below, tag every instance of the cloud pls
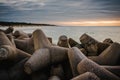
(59, 10)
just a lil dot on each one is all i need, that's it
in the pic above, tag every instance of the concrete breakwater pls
(33, 56)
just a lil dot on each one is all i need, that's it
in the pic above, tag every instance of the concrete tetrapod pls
(92, 45)
(108, 41)
(40, 40)
(40, 59)
(84, 51)
(87, 65)
(44, 52)
(86, 39)
(8, 51)
(8, 30)
(58, 54)
(50, 39)
(101, 47)
(21, 54)
(109, 56)
(72, 42)
(26, 45)
(86, 76)
(63, 41)
(20, 34)
(44, 57)
(75, 56)
(4, 42)
(113, 69)
(10, 37)
(4, 39)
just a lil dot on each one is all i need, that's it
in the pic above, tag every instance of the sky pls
(62, 12)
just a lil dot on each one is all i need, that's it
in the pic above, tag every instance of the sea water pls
(99, 33)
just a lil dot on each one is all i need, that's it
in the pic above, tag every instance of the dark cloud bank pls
(59, 10)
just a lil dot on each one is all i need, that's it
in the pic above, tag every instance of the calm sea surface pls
(99, 33)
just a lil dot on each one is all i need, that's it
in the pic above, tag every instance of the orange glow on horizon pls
(90, 23)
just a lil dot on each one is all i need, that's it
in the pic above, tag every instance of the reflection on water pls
(99, 33)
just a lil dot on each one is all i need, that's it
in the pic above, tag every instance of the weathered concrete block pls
(26, 45)
(7, 52)
(91, 45)
(114, 69)
(20, 34)
(87, 65)
(44, 57)
(4, 39)
(110, 56)
(58, 54)
(40, 59)
(40, 40)
(86, 76)
(11, 53)
(86, 39)
(63, 41)
(84, 51)
(72, 42)
(9, 30)
(75, 56)
(108, 41)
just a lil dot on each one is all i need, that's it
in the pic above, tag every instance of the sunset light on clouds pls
(62, 12)
(91, 23)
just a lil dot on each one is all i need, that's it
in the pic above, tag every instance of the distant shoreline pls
(25, 24)
(21, 24)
